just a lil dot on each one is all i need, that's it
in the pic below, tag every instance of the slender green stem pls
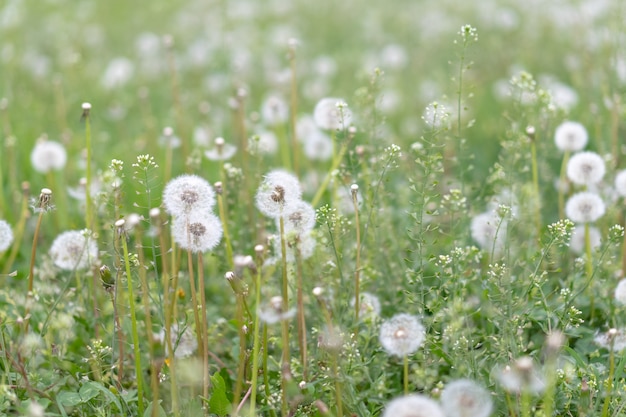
(266, 380)
(285, 360)
(338, 386)
(300, 312)
(525, 403)
(131, 302)
(294, 108)
(609, 380)
(19, 231)
(88, 201)
(205, 326)
(336, 161)
(223, 218)
(255, 343)
(562, 182)
(535, 174)
(357, 268)
(406, 374)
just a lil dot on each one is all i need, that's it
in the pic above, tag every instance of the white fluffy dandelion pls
(197, 232)
(277, 194)
(465, 398)
(369, 305)
(48, 155)
(299, 219)
(586, 168)
(577, 241)
(522, 376)
(272, 312)
(613, 339)
(620, 292)
(620, 183)
(188, 193)
(6, 235)
(74, 250)
(413, 406)
(402, 335)
(332, 114)
(274, 111)
(222, 151)
(584, 207)
(318, 146)
(571, 136)
(183, 341)
(489, 231)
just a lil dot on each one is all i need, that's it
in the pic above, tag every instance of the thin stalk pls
(241, 363)
(406, 374)
(219, 187)
(589, 267)
(336, 161)
(525, 403)
(357, 268)
(535, 174)
(300, 313)
(19, 229)
(88, 201)
(266, 380)
(194, 301)
(131, 302)
(609, 380)
(205, 336)
(338, 387)
(294, 107)
(255, 343)
(285, 360)
(562, 181)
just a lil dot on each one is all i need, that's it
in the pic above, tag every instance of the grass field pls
(291, 208)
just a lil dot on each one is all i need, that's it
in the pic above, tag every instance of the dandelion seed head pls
(613, 339)
(74, 249)
(586, 168)
(414, 405)
(188, 193)
(278, 192)
(6, 235)
(571, 136)
(521, 377)
(369, 306)
(300, 218)
(620, 183)
(489, 231)
(183, 340)
(577, 242)
(585, 207)
(464, 398)
(48, 155)
(620, 292)
(274, 110)
(402, 335)
(318, 146)
(197, 231)
(223, 151)
(332, 114)
(264, 143)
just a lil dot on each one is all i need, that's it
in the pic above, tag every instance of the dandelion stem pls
(535, 174)
(45, 194)
(255, 343)
(336, 161)
(562, 182)
(294, 108)
(205, 336)
(357, 268)
(285, 360)
(19, 229)
(300, 312)
(223, 217)
(133, 318)
(609, 380)
(88, 201)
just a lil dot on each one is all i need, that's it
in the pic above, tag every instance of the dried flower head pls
(332, 114)
(413, 406)
(6, 235)
(585, 207)
(571, 136)
(402, 335)
(278, 192)
(197, 232)
(464, 398)
(188, 193)
(223, 151)
(586, 168)
(74, 249)
(48, 155)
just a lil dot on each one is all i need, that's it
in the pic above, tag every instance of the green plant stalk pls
(133, 318)
(255, 343)
(294, 110)
(562, 180)
(227, 241)
(194, 302)
(205, 326)
(88, 201)
(286, 357)
(18, 234)
(525, 403)
(145, 290)
(406, 374)
(509, 405)
(357, 267)
(336, 161)
(281, 133)
(589, 267)
(266, 380)
(241, 359)
(548, 397)
(623, 255)
(300, 313)
(609, 381)
(338, 387)
(31, 274)
(535, 175)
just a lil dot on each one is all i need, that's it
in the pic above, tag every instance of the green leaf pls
(159, 413)
(218, 402)
(107, 393)
(69, 399)
(88, 391)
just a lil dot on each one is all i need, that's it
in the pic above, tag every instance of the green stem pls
(406, 375)
(562, 182)
(133, 318)
(357, 268)
(255, 345)
(609, 381)
(535, 174)
(285, 360)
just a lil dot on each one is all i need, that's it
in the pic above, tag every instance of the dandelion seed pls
(613, 339)
(620, 292)
(222, 152)
(74, 249)
(274, 111)
(197, 232)
(332, 114)
(278, 192)
(413, 406)
(273, 311)
(369, 306)
(465, 398)
(6, 235)
(264, 143)
(117, 73)
(584, 207)
(577, 241)
(571, 136)
(48, 155)
(169, 140)
(521, 377)
(300, 218)
(318, 146)
(402, 335)
(183, 341)
(188, 193)
(586, 168)
(489, 231)
(620, 183)
(331, 338)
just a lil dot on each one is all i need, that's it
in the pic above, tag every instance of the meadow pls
(296, 208)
